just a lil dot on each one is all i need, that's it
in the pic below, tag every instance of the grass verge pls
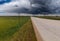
(26, 33)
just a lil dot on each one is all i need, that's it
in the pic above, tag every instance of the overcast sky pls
(30, 6)
(10, 6)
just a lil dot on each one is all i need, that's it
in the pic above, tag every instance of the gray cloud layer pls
(31, 6)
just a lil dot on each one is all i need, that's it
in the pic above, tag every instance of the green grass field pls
(16, 29)
(7, 25)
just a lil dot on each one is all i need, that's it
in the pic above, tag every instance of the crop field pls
(16, 28)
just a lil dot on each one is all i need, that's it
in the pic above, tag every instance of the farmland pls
(16, 28)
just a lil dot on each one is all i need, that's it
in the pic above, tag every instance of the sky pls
(30, 6)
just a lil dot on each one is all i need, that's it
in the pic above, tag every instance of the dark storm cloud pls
(32, 6)
(37, 6)
(40, 6)
(48, 6)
